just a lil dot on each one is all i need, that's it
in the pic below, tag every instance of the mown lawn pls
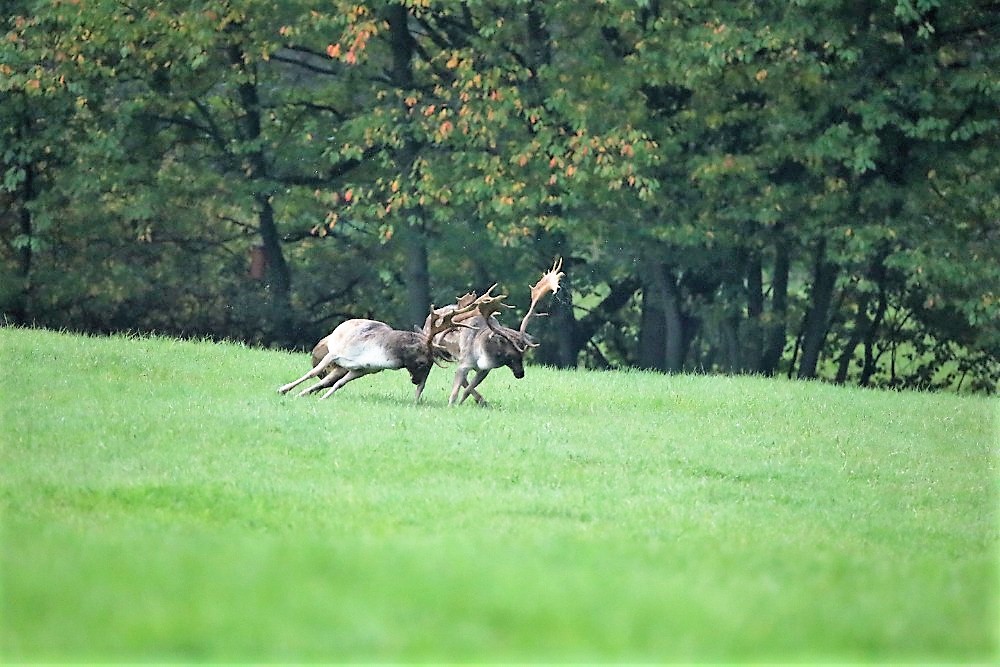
(161, 502)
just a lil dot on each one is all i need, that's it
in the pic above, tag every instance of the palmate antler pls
(456, 315)
(549, 283)
(450, 317)
(468, 306)
(494, 345)
(488, 305)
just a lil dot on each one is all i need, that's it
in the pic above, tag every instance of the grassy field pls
(161, 502)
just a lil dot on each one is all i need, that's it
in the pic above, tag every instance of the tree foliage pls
(801, 187)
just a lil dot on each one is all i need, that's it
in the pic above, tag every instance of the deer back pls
(373, 345)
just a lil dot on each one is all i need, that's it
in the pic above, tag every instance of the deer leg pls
(420, 390)
(478, 397)
(475, 394)
(316, 370)
(334, 375)
(459, 383)
(471, 389)
(350, 375)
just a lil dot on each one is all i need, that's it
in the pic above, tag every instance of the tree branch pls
(336, 171)
(304, 65)
(621, 293)
(219, 139)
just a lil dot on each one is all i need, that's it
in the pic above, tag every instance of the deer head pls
(490, 344)
(442, 320)
(547, 284)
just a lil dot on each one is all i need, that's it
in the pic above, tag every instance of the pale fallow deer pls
(483, 344)
(361, 347)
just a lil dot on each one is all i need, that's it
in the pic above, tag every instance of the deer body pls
(361, 347)
(485, 344)
(483, 347)
(370, 344)
(466, 331)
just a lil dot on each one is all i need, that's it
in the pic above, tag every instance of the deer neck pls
(405, 346)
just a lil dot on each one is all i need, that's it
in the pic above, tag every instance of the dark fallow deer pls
(361, 347)
(482, 343)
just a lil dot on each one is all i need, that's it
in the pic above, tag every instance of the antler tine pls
(488, 304)
(460, 304)
(488, 294)
(548, 283)
(487, 307)
(462, 307)
(466, 299)
(443, 321)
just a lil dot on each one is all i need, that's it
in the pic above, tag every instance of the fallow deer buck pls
(361, 347)
(482, 343)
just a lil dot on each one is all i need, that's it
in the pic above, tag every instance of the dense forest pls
(805, 187)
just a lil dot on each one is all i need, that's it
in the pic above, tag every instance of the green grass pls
(161, 502)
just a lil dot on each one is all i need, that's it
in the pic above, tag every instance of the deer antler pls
(444, 319)
(467, 298)
(549, 283)
(460, 311)
(488, 304)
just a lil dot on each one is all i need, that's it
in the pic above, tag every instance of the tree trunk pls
(416, 271)
(279, 276)
(871, 335)
(777, 328)
(564, 323)
(865, 328)
(732, 358)
(868, 368)
(817, 319)
(847, 355)
(676, 344)
(652, 332)
(753, 350)
(661, 333)
(22, 304)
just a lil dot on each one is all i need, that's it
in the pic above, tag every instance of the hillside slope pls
(161, 501)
